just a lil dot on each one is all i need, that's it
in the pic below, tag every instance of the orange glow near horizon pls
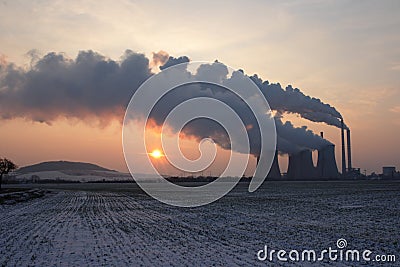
(27, 143)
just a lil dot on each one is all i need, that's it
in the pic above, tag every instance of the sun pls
(156, 154)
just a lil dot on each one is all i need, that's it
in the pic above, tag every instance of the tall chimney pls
(349, 166)
(343, 149)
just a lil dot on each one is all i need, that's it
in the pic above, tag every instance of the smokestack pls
(349, 166)
(343, 149)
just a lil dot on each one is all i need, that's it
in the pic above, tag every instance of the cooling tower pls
(274, 172)
(301, 166)
(293, 167)
(326, 166)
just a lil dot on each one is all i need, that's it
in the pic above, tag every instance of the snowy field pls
(118, 225)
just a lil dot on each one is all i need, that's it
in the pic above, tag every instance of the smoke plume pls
(294, 101)
(92, 87)
(89, 87)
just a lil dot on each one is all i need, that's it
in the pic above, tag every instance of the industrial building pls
(301, 167)
(389, 172)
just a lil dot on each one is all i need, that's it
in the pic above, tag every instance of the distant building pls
(389, 172)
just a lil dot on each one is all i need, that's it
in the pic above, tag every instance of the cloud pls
(3, 60)
(160, 58)
(395, 109)
(395, 66)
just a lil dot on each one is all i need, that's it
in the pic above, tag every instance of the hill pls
(61, 166)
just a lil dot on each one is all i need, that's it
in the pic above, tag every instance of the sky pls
(346, 53)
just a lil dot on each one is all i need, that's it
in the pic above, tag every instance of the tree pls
(6, 166)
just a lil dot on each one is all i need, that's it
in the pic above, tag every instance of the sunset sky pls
(346, 53)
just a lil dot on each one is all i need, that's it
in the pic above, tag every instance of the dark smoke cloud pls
(292, 100)
(322, 117)
(93, 87)
(290, 139)
(204, 128)
(295, 139)
(90, 86)
(174, 61)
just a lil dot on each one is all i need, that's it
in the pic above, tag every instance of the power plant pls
(301, 166)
